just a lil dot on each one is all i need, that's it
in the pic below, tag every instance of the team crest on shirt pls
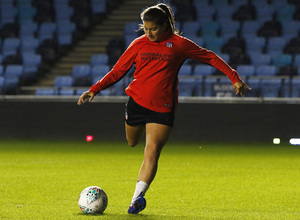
(169, 44)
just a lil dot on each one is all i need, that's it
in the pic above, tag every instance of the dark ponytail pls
(160, 14)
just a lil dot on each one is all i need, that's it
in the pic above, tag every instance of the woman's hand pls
(84, 96)
(239, 87)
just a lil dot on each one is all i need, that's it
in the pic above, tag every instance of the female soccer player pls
(153, 96)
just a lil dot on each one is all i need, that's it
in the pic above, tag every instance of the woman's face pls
(153, 31)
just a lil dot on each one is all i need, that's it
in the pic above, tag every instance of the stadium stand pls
(260, 38)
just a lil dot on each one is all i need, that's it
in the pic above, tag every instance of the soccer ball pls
(92, 200)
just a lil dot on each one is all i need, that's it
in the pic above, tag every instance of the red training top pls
(156, 68)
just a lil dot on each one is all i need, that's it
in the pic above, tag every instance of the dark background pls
(105, 121)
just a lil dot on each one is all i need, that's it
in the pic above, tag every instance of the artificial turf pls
(43, 179)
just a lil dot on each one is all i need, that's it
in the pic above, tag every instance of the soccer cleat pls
(137, 205)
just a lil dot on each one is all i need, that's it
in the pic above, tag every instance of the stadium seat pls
(28, 29)
(259, 3)
(10, 46)
(276, 45)
(297, 60)
(265, 70)
(47, 31)
(254, 84)
(246, 70)
(285, 12)
(98, 7)
(264, 10)
(31, 64)
(66, 92)
(1, 70)
(286, 88)
(282, 60)
(65, 32)
(196, 39)
(13, 71)
(97, 59)
(258, 59)
(203, 70)
(295, 88)
(46, 92)
(63, 81)
(270, 88)
(81, 70)
(208, 86)
(99, 70)
(185, 70)
(223, 88)
(26, 12)
(118, 89)
(214, 43)
(11, 84)
(186, 87)
(221, 3)
(290, 29)
(129, 39)
(250, 28)
(210, 29)
(229, 29)
(29, 44)
(256, 44)
(205, 12)
(224, 12)
(1, 84)
(8, 13)
(63, 12)
(131, 28)
(190, 28)
(199, 87)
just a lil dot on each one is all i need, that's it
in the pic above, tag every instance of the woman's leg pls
(134, 134)
(156, 137)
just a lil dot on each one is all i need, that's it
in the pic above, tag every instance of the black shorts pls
(139, 115)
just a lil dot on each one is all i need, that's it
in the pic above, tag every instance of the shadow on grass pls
(126, 216)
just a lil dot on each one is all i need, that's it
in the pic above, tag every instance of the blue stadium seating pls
(190, 28)
(286, 88)
(208, 86)
(66, 92)
(31, 64)
(13, 71)
(99, 70)
(265, 70)
(46, 92)
(246, 70)
(1, 83)
(271, 88)
(186, 87)
(295, 88)
(63, 81)
(11, 84)
(254, 83)
(185, 70)
(97, 59)
(258, 59)
(203, 70)
(82, 75)
(199, 87)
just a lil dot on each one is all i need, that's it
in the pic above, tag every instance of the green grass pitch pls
(43, 179)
